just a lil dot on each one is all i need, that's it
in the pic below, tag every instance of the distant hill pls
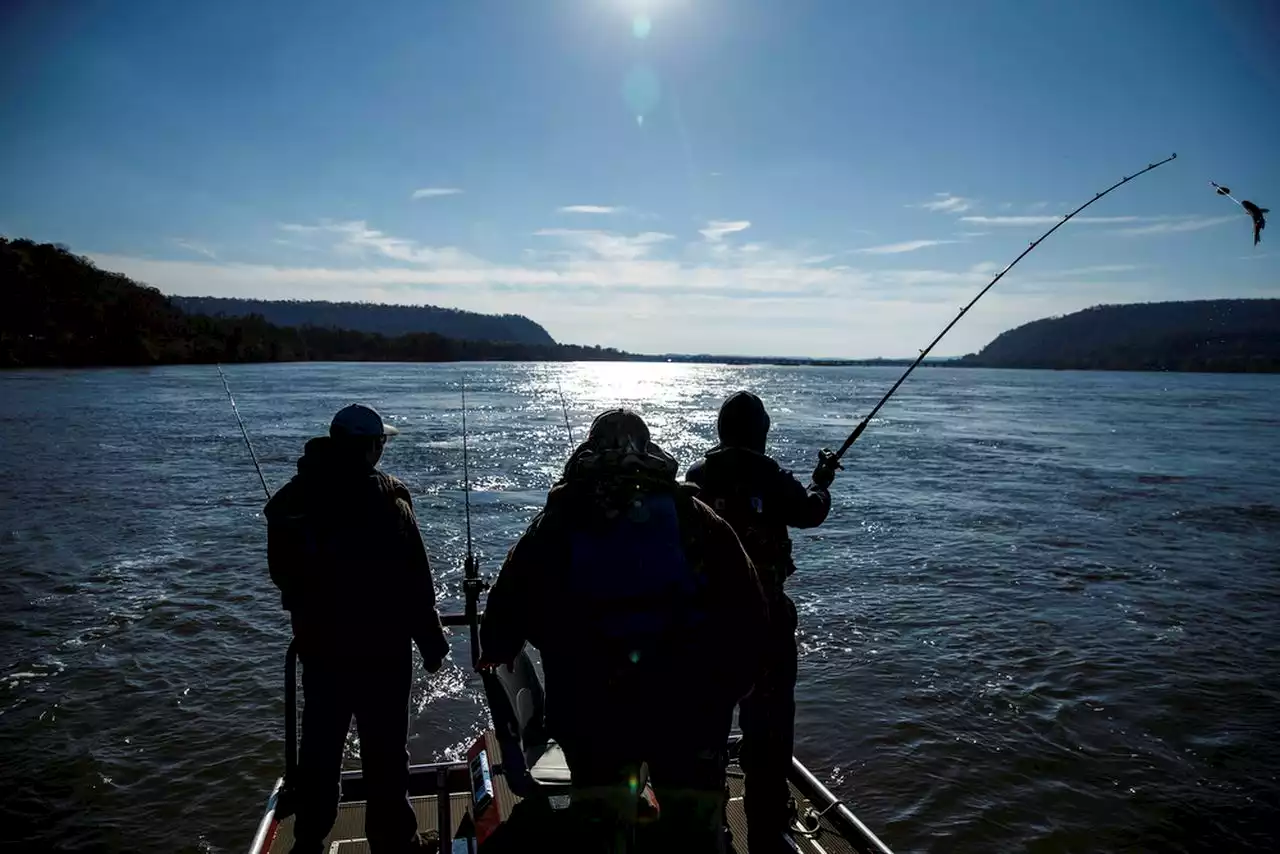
(387, 320)
(58, 309)
(1230, 335)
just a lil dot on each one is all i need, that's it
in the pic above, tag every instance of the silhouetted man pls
(649, 618)
(344, 548)
(760, 501)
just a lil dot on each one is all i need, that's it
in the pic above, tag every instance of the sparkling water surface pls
(1044, 614)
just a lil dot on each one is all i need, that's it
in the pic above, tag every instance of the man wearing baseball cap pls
(344, 548)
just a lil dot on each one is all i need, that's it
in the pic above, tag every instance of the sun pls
(643, 12)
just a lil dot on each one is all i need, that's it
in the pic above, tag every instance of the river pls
(1044, 614)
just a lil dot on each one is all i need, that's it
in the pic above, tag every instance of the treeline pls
(58, 309)
(1229, 335)
(388, 320)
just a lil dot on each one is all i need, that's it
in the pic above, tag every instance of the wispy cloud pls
(580, 282)
(293, 244)
(717, 228)
(1177, 226)
(357, 238)
(434, 192)
(1098, 269)
(905, 246)
(607, 245)
(946, 203)
(1044, 220)
(589, 209)
(972, 233)
(193, 246)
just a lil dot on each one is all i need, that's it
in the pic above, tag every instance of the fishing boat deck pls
(348, 831)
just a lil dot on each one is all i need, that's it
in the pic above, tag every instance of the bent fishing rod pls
(857, 431)
(244, 433)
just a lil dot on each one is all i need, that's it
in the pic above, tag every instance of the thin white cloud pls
(1098, 269)
(589, 209)
(972, 233)
(653, 292)
(600, 287)
(193, 246)
(357, 238)
(1045, 220)
(905, 246)
(946, 203)
(435, 192)
(717, 228)
(606, 244)
(1179, 226)
(293, 244)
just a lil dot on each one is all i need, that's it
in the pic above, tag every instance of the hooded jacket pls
(344, 548)
(755, 495)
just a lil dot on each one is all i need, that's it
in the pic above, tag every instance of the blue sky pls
(736, 176)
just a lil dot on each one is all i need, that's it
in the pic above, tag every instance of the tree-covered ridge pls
(58, 309)
(389, 320)
(1229, 335)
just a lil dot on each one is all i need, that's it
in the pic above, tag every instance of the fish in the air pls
(1259, 221)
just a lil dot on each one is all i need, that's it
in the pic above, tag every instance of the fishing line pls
(853, 437)
(244, 433)
(565, 409)
(1223, 191)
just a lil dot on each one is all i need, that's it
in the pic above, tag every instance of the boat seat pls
(517, 704)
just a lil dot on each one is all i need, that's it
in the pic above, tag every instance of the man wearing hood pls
(648, 615)
(760, 500)
(344, 548)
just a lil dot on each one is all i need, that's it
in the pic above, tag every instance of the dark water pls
(1042, 617)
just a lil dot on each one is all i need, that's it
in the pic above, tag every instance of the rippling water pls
(1044, 614)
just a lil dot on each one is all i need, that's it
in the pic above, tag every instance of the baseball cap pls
(359, 421)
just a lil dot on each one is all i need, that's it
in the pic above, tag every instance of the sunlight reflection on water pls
(1012, 621)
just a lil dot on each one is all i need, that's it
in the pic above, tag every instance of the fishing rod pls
(472, 585)
(853, 437)
(565, 409)
(244, 433)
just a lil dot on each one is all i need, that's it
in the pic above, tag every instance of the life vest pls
(637, 586)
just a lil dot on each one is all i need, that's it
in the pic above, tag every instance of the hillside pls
(389, 320)
(1231, 335)
(58, 309)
